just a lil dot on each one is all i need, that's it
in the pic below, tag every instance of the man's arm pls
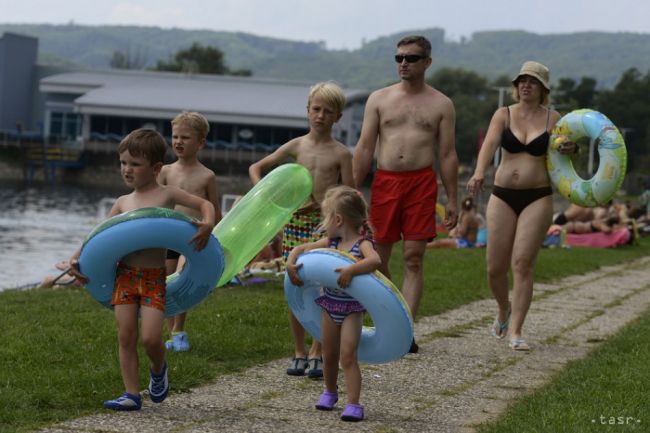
(365, 150)
(449, 163)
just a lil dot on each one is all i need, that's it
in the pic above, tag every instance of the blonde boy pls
(189, 131)
(328, 161)
(140, 283)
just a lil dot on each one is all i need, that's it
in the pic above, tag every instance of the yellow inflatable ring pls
(440, 210)
(603, 185)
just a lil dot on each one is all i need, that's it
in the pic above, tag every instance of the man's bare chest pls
(409, 115)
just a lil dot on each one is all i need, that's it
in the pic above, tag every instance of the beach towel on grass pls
(617, 237)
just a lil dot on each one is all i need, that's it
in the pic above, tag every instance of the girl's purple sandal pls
(327, 400)
(352, 412)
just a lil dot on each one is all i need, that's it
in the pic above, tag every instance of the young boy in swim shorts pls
(326, 159)
(189, 131)
(140, 284)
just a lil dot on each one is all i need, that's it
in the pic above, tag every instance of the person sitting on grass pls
(464, 235)
(593, 226)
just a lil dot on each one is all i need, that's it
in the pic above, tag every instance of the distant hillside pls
(603, 56)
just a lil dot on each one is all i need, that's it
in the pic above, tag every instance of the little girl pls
(344, 213)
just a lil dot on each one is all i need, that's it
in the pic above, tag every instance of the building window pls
(222, 131)
(65, 125)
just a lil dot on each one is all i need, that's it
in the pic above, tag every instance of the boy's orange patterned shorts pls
(143, 286)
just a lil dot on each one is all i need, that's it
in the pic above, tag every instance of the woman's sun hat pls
(536, 70)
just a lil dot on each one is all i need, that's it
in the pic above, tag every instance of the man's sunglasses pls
(410, 58)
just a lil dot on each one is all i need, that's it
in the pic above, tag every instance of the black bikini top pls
(537, 147)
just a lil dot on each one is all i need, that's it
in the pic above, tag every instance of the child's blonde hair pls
(346, 201)
(145, 143)
(331, 92)
(193, 120)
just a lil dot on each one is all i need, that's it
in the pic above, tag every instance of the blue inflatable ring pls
(388, 340)
(151, 228)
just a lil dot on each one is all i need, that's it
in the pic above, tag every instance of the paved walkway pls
(460, 379)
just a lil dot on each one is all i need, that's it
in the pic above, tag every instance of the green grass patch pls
(605, 392)
(58, 357)
(455, 277)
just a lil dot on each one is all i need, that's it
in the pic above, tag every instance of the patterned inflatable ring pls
(151, 228)
(601, 188)
(388, 340)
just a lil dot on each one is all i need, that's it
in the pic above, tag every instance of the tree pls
(458, 81)
(126, 60)
(628, 106)
(474, 99)
(568, 95)
(199, 60)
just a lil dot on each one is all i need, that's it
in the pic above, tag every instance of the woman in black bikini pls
(520, 208)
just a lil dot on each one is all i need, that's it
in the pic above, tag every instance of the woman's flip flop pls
(500, 330)
(519, 344)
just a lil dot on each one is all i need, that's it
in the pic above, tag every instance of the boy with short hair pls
(327, 160)
(140, 283)
(189, 132)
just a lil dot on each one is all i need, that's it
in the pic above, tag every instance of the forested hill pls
(603, 56)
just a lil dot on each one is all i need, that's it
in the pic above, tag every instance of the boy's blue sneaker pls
(180, 342)
(124, 402)
(158, 385)
(169, 344)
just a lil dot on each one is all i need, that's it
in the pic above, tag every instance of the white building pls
(245, 113)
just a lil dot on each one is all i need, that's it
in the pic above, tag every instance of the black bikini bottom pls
(519, 199)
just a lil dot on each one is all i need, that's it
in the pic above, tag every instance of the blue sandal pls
(298, 367)
(519, 344)
(315, 368)
(500, 330)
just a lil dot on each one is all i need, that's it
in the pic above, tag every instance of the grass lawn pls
(58, 359)
(605, 392)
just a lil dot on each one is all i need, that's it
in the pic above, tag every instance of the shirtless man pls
(404, 122)
(328, 161)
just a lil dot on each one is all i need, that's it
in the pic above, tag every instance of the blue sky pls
(342, 24)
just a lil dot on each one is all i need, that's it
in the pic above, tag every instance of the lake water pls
(42, 225)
